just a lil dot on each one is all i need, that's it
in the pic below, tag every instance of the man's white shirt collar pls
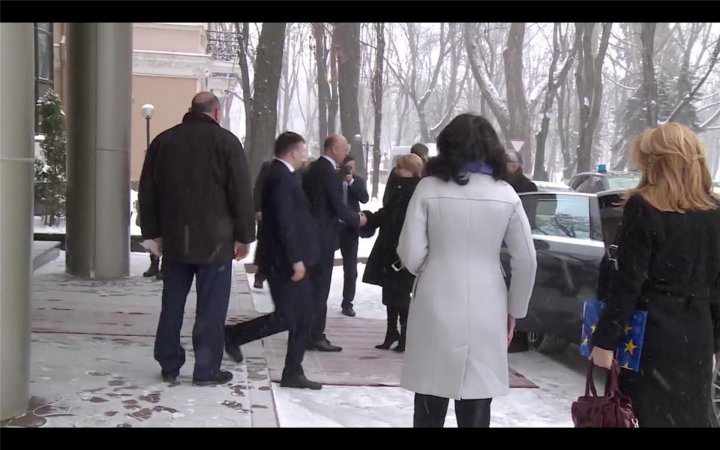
(331, 160)
(287, 164)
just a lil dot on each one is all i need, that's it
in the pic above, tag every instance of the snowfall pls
(560, 378)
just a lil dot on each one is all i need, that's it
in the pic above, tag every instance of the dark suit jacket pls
(195, 192)
(357, 193)
(259, 182)
(323, 188)
(289, 233)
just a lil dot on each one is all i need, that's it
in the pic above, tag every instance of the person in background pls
(257, 194)
(196, 205)
(354, 193)
(462, 315)
(520, 183)
(384, 267)
(668, 263)
(516, 177)
(154, 269)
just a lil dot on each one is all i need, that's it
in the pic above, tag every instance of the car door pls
(568, 255)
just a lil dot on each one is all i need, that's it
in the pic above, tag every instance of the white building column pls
(98, 158)
(17, 121)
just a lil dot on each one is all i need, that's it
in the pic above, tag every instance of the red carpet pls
(359, 364)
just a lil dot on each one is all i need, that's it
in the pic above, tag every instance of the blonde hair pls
(675, 173)
(412, 163)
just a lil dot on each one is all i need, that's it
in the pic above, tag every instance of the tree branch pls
(691, 94)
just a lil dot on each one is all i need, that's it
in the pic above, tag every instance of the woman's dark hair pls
(468, 138)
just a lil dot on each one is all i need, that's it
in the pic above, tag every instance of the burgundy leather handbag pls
(613, 410)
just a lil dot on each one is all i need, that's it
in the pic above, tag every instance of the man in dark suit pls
(324, 191)
(290, 250)
(354, 193)
(259, 182)
(196, 207)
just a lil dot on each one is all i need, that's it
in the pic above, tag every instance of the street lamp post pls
(147, 112)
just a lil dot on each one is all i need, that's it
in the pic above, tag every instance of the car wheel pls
(546, 343)
(715, 395)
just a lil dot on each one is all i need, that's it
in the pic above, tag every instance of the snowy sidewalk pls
(560, 380)
(92, 359)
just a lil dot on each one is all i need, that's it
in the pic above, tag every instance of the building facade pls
(170, 62)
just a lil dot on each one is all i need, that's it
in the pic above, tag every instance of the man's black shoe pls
(323, 345)
(222, 377)
(169, 377)
(300, 382)
(348, 311)
(233, 351)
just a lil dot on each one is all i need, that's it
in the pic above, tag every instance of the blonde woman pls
(669, 264)
(384, 267)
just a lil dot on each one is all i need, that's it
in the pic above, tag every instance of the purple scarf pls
(477, 167)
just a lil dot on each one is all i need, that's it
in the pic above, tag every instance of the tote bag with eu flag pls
(630, 349)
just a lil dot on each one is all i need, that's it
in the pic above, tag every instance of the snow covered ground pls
(561, 379)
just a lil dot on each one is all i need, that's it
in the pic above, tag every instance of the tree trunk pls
(333, 100)
(564, 130)
(321, 53)
(268, 69)
(647, 37)
(540, 173)
(348, 61)
(244, 39)
(588, 78)
(377, 103)
(519, 126)
(402, 118)
(489, 93)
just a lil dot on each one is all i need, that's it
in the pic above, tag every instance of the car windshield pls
(623, 182)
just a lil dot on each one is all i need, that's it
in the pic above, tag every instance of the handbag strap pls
(612, 384)
(590, 382)
(612, 387)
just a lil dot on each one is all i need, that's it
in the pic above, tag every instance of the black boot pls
(154, 268)
(392, 334)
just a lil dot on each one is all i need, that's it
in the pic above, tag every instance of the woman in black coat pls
(384, 267)
(668, 263)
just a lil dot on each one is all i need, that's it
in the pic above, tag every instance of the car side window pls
(558, 215)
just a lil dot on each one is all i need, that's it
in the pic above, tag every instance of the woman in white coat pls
(462, 316)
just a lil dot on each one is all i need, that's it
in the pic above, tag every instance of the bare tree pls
(243, 36)
(321, 56)
(268, 68)
(347, 37)
(292, 56)
(649, 84)
(588, 78)
(402, 117)
(410, 81)
(490, 95)
(377, 98)
(519, 119)
(687, 98)
(554, 82)
(513, 113)
(454, 91)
